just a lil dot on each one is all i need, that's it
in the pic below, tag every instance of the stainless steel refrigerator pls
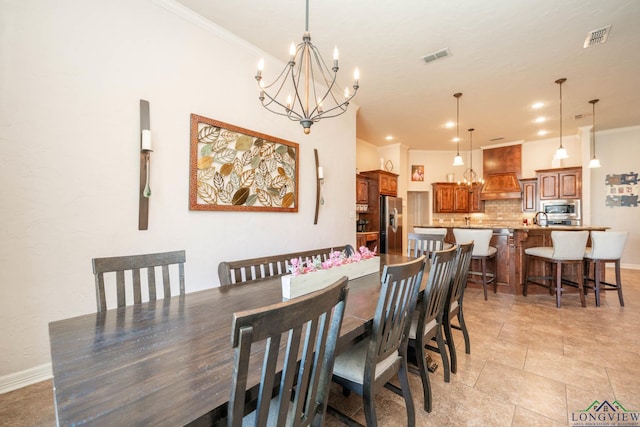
(390, 225)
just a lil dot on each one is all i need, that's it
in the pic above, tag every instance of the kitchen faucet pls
(467, 220)
(542, 222)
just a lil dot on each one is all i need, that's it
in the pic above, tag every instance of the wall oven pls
(562, 212)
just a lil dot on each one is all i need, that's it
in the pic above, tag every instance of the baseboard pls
(24, 378)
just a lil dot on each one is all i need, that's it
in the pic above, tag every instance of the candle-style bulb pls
(288, 102)
(292, 52)
(260, 67)
(336, 56)
(356, 77)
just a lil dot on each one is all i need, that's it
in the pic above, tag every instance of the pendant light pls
(470, 175)
(594, 162)
(561, 152)
(457, 161)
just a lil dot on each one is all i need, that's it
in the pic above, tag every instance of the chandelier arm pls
(288, 112)
(295, 80)
(342, 107)
(273, 99)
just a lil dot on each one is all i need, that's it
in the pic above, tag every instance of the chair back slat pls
(311, 326)
(424, 244)
(460, 273)
(398, 295)
(127, 271)
(438, 285)
(273, 266)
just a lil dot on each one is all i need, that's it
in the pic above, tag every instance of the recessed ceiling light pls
(540, 119)
(389, 138)
(542, 132)
(449, 124)
(537, 105)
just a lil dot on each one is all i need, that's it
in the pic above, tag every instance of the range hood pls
(502, 167)
(500, 186)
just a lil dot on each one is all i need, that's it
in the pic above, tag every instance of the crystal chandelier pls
(306, 103)
(594, 162)
(561, 152)
(457, 161)
(470, 176)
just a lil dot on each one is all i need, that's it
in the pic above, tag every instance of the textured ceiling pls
(505, 55)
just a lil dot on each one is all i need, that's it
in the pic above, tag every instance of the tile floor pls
(531, 364)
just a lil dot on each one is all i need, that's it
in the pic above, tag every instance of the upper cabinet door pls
(564, 183)
(570, 184)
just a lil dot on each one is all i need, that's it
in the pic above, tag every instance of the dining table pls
(170, 361)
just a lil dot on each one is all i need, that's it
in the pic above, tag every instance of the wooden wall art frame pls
(235, 169)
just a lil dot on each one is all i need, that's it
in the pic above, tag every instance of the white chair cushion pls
(479, 237)
(541, 251)
(607, 245)
(414, 326)
(350, 364)
(569, 245)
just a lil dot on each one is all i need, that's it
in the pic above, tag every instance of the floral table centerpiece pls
(313, 274)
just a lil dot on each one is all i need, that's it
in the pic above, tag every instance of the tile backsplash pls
(495, 211)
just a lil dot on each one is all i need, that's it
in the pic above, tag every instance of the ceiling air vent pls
(443, 53)
(598, 36)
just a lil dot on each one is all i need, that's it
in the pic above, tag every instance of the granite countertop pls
(513, 226)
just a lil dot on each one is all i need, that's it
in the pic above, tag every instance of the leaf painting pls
(232, 168)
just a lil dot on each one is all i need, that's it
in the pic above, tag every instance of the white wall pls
(539, 154)
(368, 157)
(619, 152)
(72, 75)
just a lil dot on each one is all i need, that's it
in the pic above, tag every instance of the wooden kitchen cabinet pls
(562, 183)
(475, 203)
(449, 197)
(529, 194)
(387, 181)
(362, 190)
(370, 240)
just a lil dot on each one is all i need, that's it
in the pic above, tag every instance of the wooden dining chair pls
(312, 320)
(270, 267)
(369, 365)
(135, 264)
(427, 321)
(424, 244)
(453, 304)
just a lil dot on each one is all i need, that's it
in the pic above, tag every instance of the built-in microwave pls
(562, 212)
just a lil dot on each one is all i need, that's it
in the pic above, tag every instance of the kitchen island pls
(511, 241)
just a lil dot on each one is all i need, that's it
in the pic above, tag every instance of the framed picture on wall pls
(417, 172)
(236, 169)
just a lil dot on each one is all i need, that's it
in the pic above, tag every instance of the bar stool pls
(606, 246)
(434, 230)
(481, 251)
(568, 248)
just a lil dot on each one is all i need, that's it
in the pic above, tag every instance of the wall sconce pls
(145, 166)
